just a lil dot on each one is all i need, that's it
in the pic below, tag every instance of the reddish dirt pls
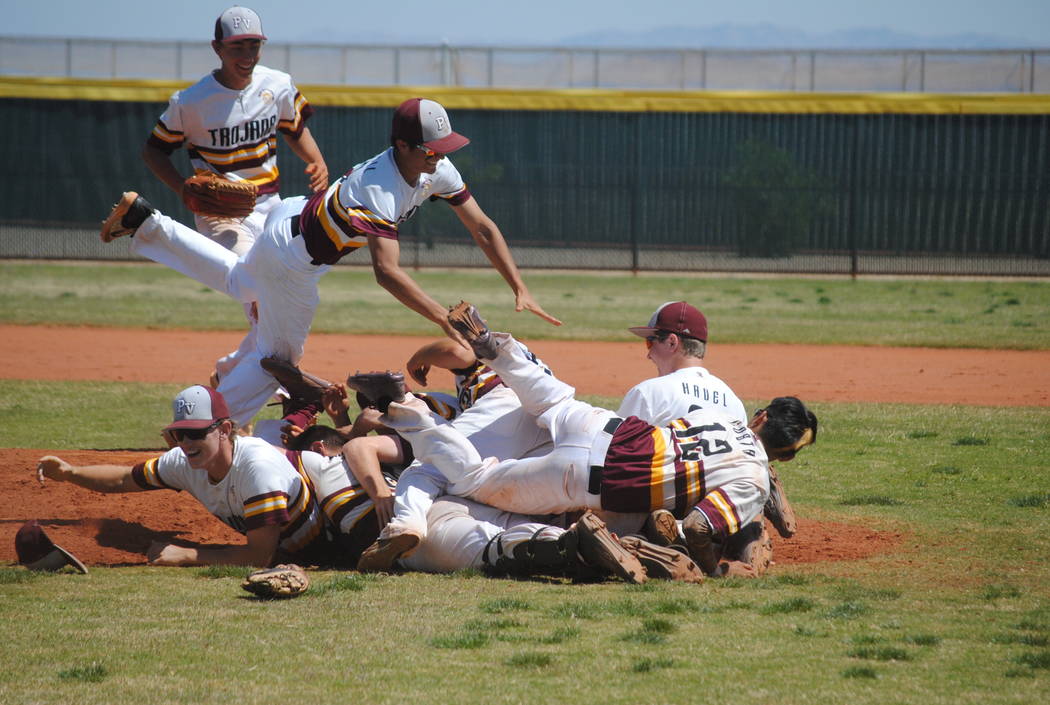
(117, 529)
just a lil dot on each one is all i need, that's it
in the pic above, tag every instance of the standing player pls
(306, 236)
(228, 121)
(248, 484)
(707, 468)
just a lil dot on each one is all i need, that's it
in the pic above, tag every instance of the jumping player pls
(305, 236)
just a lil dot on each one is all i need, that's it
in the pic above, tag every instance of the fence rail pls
(812, 70)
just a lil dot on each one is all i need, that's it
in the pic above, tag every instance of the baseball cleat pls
(600, 549)
(127, 215)
(380, 388)
(661, 528)
(381, 555)
(663, 562)
(464, 317)
(300, 385)
(777, 508)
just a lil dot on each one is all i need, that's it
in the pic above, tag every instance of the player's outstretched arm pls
(364, 456)
(258, 550)
(305, 147)
(446, 354)
(100, 478)
(491, 241)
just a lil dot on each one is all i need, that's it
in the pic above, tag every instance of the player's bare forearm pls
(160, 164)
(446, 354)
(258, 550)
(305, 147)
(100, 478)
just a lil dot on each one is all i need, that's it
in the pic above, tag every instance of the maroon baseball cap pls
(238, 23)
(419, 121)
(36, 550)
(198, 407)
(675, 317)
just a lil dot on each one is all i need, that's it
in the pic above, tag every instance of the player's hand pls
(161, 553)
(318, 174)
(53, 468)
(333, 399)
(417, 368)
(289, 432)
(454, 334)
(384, 510)
(525, 302)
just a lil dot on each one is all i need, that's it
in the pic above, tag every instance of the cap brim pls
(448, 144)
(56, 560)
(190, 423)
(244, 36)
(643, 331)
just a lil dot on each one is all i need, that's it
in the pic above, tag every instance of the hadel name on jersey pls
(251, 131)
(708, 395)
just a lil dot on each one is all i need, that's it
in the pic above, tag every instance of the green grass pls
(949, 313)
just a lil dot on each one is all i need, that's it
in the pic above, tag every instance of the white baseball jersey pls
(261, 488)
(234, 132)
(343, 501)
(372, 199)
(663, 399)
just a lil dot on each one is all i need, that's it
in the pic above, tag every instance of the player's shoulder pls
(265, 74)
(255, 454)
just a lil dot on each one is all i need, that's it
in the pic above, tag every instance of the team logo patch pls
(440, 120)
(184, 407)
(266, 95)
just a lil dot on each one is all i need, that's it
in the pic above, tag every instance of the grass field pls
(959, 612)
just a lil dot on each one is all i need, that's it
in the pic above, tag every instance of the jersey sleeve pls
(448, 184)
(732, 507)
(160, 473)
(635, 403)
(294, 111)
(168, 135)
(269, 493)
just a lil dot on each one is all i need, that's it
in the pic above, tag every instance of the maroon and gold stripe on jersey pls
(165, 139)
(305, 521)
(475, 382)
(146, 476)
(303, 110)
(643, 472)
(332, 230)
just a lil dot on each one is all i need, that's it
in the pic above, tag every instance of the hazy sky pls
(529, 22)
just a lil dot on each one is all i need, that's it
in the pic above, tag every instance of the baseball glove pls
(285, 580)
(209, 194)
(663, 562)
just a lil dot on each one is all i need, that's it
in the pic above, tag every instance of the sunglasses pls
(650, 340)
(428, 152)
(193, 434)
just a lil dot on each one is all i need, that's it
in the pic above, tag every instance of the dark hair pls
(787, 419)
(326, 434)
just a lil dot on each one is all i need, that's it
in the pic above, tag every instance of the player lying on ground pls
(706, 468)
(305, 236)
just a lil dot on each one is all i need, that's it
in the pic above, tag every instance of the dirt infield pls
(117, 529)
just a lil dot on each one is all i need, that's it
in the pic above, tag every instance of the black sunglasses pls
(193, 434)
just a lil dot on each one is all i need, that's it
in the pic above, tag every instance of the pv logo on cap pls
(184, 407)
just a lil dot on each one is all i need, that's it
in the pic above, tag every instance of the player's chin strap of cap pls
(598, 452)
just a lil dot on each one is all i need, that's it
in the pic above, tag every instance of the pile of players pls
(511, 475)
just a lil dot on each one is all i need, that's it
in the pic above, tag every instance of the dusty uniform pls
(464, 534)
(600, 461)
(492, 419)
(302, 239)
(261, 488)
(233, 133)
(663, 399)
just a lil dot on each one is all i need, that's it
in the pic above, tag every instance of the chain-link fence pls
(934, 71)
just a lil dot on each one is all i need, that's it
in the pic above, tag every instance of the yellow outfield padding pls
(591, 100)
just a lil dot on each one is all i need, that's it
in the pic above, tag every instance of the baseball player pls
(228, 122)
(304, 237)
(245, 482)
(706, 468)
(676, 339)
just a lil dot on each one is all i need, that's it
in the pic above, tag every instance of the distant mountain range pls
(769, 36)
(723, 36)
